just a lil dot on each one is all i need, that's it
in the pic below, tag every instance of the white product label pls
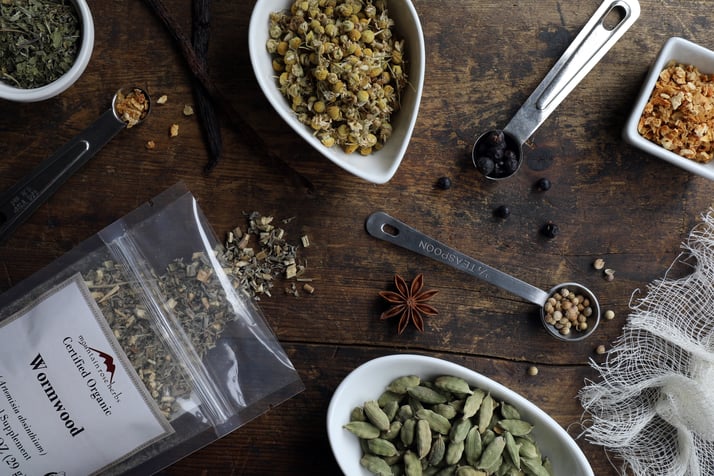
(70, 403)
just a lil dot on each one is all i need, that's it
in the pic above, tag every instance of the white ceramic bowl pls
(675, 50)
(62, 83)
(380, 166)
(369, 381)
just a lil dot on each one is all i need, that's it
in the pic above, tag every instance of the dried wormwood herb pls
(192, 294)
(39, 40)
(256, 265)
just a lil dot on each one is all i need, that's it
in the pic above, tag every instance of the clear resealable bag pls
(133, 350)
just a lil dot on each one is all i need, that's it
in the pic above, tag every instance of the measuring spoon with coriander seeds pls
(384, 227)
(498, 154)
(130, 106)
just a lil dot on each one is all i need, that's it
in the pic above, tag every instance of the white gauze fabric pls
(653, 406)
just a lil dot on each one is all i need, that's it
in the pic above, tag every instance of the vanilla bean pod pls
(199, 72)
(200, 34)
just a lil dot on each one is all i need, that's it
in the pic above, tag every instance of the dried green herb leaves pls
(39, 41)
(260, 254)
(190, 292)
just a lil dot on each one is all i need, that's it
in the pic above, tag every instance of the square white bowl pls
(381, 165)
(675, 50)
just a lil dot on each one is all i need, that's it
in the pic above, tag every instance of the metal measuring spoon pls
(22, 199)
(382, 226)
(594, 40)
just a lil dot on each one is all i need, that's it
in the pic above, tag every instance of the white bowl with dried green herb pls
(444, 415)
(347, 76)
(45, 46)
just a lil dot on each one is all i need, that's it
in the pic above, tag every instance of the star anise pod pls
(409, 303)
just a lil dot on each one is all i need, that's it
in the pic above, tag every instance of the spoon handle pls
(23, 198)
(382, 226)
(594, 40)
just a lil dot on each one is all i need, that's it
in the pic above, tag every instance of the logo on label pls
(108, 363)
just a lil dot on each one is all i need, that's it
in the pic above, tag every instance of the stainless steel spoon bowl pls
(382, 226)
(595, 39)
(22, 199)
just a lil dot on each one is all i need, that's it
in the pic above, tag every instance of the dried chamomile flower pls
(341, 69)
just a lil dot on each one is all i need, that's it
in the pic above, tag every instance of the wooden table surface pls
(483, 59)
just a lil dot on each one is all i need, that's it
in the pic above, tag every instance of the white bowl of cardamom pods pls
(550, 447)
(49, 46)
(348, 79)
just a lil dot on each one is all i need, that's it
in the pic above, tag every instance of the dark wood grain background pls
(483, 59)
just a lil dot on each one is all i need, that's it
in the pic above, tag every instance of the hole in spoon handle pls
(382, 226)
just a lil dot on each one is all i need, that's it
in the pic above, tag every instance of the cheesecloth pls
(653, 406)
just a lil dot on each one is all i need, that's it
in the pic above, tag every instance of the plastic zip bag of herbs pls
(133, 350)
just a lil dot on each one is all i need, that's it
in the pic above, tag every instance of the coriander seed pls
(532, 370)
(600, 349)
(599, 264)
(609, 315)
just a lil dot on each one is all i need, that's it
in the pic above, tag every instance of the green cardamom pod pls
(376, 415)
(527, 449)
(469, 471)
(473, 403)
(412, 464)
(362, 429)
(381, 447)
(473, 446)
(454, 452)
(422, 435)
(534, 466)
(516, 427)
(376, 465)
(387, 397)
(492, 453)
(357, 414)
(509, 412)
(390, 409)
(400, 384)
(438, 450)
(437, 422)
(548, 465)
(394, 430)
(407, 432)
(427, 395)
(446, 410)
(448, 471)
(405, 412)
(453, 384)
(485, 413)
(513, 449)
(459, 430)
(487, 437)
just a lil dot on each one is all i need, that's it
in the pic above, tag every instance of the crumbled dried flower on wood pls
(260, 255)
(341, 68)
